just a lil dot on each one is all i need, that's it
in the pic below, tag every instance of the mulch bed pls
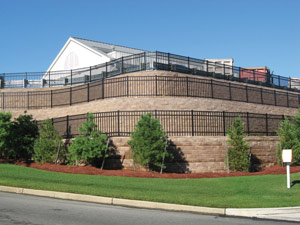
(129, 173)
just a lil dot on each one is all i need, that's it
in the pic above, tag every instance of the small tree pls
(148, 143)
(24, 131)
(46, 146)
(238, 148)
(289, 134)
(5, 126)
(89, 145)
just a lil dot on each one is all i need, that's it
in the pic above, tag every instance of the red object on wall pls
(255, 73)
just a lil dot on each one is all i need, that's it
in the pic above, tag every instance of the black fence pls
(146, 61)
(175, 123)
(131, 86)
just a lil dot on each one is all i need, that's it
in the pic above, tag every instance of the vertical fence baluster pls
(193, 131)
(248, 125)
(187, 86)
(119, 123)
(212, 88)
(275, 98)
(267, 127)
(51, 99)
(71, 95)
(230, 94)
(224, 123)
(88, 92)
(3, 101)
(67, 127)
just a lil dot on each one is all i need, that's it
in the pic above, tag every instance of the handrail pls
(146, 61)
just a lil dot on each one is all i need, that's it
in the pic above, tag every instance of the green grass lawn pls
(241, 192)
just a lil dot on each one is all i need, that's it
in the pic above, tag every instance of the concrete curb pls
(286, 214)
(114, 201)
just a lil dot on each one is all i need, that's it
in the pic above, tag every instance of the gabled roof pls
(107, 48)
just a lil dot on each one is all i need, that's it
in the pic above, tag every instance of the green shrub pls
(5, 127)
(238, 153)
(24, 131)
(46, 146)
(90, 145)
(289, 134)
(148, 143)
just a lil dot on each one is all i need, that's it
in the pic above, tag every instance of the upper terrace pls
(146, 61)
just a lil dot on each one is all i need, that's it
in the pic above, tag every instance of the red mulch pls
(129, 173)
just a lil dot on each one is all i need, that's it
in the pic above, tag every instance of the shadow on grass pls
(295, 182)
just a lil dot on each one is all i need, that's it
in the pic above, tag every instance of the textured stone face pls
(201, 154)
(142, 93)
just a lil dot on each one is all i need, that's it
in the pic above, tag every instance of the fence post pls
(51, 99)
(105, 70)
(155, 85)
(224, 123)
(193, 131)
(275, 98)
(212, 88)
(3, 101)
(49, 80)
(206, 65)
(145, 60)
(248, 125)
(247, 100)
(118, 122)
(102, 87)
(71, 95)
(187, 86)
(156, 60)
(155, 113)
(261, 96)
(224, 70)
(188, 63)
(67, 127)
(127, 86)
(122, 65)
(88, 92)
(90, 80)
(267, 128)
(287, 100)
(71, 77)
(169, 61)
(27, 99)
(230, 94)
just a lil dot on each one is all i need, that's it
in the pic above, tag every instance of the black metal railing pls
(146, 61)
(175, 123)
(132, 86)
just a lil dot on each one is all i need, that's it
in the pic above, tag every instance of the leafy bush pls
(5, 126)
(289, 134)
(24, 131)
(90, 145)
(148, 143)
(46, 146)
(238, 153)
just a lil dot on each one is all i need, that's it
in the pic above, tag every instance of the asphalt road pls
(32, 210)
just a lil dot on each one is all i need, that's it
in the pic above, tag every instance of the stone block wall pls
(198, 154)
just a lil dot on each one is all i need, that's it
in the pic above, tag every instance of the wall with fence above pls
(148, 85)
(174, 122)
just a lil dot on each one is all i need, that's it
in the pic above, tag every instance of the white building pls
(80, 53)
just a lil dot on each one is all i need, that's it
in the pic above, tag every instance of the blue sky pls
(254, 33)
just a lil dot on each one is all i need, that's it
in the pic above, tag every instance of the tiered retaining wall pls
(199, 154)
